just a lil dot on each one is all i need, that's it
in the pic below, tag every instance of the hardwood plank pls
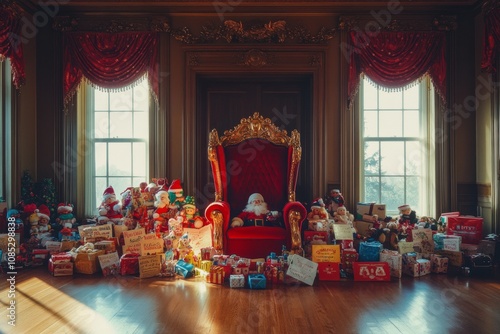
(126, 304)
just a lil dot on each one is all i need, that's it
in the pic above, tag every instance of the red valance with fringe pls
(109, 60)
(11, 43)
(397, 59)
(491, 40)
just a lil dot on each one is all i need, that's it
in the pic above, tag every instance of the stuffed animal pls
(191, 214)
(391, 233)
(34, 219)
(44, 216)
(342, 216)
(318, 210)
(110, 210)
(65, 218)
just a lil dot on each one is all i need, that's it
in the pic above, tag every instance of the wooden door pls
(223, 101)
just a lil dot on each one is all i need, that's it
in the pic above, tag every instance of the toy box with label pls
(371, 271)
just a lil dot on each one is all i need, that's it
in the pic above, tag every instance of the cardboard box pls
(61, 269)
(362, 227)
(395, 261)
(87, 263)
(371, 271)
(329, 271)
(491, 248)
(371, 209)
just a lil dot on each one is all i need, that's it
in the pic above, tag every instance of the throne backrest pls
(255, 156)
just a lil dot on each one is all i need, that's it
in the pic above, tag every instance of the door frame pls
(246, 60)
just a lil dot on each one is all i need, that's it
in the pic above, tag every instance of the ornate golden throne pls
(255, 157)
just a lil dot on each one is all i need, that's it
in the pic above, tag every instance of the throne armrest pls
(218, 214)
(294, 214)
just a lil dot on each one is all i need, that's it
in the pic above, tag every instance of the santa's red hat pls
(43, 212)
(318, 204)
(403, 207)
(175, 186)
(108, 192)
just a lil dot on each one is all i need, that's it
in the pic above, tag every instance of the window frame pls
(426, 204)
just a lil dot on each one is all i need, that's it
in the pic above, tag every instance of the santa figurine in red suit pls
(256, 213)
(110, 210)
(163, 212)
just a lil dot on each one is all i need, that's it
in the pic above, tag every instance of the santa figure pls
(318, 210)
(335, 200)
(110, 210)
(256, 213)
(163, 212)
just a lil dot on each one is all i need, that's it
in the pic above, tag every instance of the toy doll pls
(256, 213)
(407, 215)
(177, 192)
(191, 214)
(65, 218)
(163, 212)
(43, 215)
(110, 210)
(34, 219)
(335, 200)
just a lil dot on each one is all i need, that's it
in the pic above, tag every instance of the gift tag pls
(302, 269)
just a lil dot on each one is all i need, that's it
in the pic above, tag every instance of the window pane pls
(390, 100)
(369, 96)
(119, 184)
(139, 161)
(413, 193)
(100, 154)
(120, 101)
(411, 123)
(393, 194)
(390, 123)
(101, 125)
(141, 97)
(370, 124)
(100, 100)
(412, 97)
(371, 189)
(392, 158)
(414, 158)
(121, 125)
(372, 157)
(120, 159)
(101, 184)
(141, 127)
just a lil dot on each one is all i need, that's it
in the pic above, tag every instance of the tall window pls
(118, 134)
(398, 147)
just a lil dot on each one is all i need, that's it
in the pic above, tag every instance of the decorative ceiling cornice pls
(111, 25)
(370, 25)
(237, 32)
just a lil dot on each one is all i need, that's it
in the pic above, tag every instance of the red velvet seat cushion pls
(255, 241)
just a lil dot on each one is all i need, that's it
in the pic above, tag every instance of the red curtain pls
(11, 43)
(396, 59)
(109, 60)
(491, 40)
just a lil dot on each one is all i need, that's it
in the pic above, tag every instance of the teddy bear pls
(34, 219)
(110, 210)
(318, 210)
(391, 236)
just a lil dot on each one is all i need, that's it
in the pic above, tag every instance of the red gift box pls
(61, 258)
(61, 268)
(329, 271)
(348, 257)
(470, 228)
(129, 264)
(371, 271)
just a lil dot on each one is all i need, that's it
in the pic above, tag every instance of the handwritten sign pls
(342, 231)
(451, 244)
(405, 247)
(149, 265)
(325, 253)
(118, 230)
(302, 269)
(200, 237)
(133, 236)
(85, 230)
(151, 244)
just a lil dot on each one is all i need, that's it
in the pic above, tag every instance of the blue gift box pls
(257, 281)
(369, 251)
(184, 269)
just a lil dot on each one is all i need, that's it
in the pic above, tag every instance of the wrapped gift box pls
(491, 248)
(419, 268)
(129, 264)
(314, 238)
(39, 257)
(395, 261)
(216, 275)
(439, 264)
(108, 246)
(237, 281)
(256, 281)
(371, 209)
(470, 228)
(87, 263)
(184, 269)
(369, 251)
(329, 271)
(205, 265)
(348, 257)
(61, 258)
(61, 268)
(371, 271)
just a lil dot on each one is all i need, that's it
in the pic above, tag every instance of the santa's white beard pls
(258, 209)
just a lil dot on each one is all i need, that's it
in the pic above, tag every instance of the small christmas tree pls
(27, 192)
(46, 194)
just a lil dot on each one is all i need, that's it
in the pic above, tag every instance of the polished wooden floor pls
(127, 304)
